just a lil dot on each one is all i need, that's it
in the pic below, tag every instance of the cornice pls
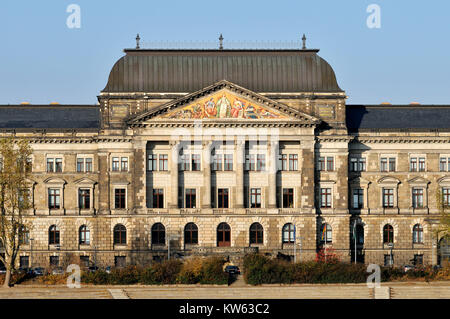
(402, 139)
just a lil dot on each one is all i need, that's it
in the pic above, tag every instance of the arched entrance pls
(223, 235)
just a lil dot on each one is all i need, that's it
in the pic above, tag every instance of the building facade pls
(199, 152)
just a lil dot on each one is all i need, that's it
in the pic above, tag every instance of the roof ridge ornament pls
(138, 39)
(221, 42)
(304, 42)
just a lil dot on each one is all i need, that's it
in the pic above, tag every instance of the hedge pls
(259, 269)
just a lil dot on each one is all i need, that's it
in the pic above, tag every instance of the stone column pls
(173, 202)
(272, 155)
(240, 149)
(206, 163)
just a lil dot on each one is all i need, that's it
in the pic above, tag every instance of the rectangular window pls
(120, 261)
(120, 198)
(388, 197)
(330, 163)
(84, 261)
(217, 162)
(164, 162)
(88, 165)
(195, 162)
(54, 261)
(158, 198)
(50, 165)
(283, 162)
(417, 199)
(288, 197)
(321, 163)
(413, 164)
(190, 198)
(255, 198)
(222, 198)
(418, 260)
(325, 197)
(383, 164)
(293, 162)
(54, 199)
(185, 164)
(115, 164)
(80, 165)
(446, 196)
(358, 198)
(421, 164)
(443, 164)
(24, 262)
(152, 162)
(84, 198)
(58, 165)
(391, 164)
(250, 164)
(357, 164)
(124, 164)
(28, 165)
(228, 165)
(261, 162)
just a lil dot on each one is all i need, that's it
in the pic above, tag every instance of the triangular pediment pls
(223, 101)
(85, 180)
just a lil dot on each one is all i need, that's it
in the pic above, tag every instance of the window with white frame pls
(84, 164)
(54, 164)
(358, 198)
(357, 164)
(325, 197)
(54, 198)
(119, 163)
(444, 163)
(417, 197)
(387, 164)
(388, 197)
(325, 163)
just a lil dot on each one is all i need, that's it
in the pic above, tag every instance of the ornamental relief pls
(224, 105)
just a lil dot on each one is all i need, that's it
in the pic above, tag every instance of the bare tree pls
(14, 200)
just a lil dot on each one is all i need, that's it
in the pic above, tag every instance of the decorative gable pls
(224, 104)
(223, 101)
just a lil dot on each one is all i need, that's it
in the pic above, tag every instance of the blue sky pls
(407, 59)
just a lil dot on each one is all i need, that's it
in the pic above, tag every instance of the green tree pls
(14, 200)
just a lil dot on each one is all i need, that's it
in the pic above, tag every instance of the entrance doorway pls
(223, 235)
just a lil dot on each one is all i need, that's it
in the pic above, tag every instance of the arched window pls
(53, 235)
(191, 234)
(326, 233)
(388, 234)
(120, 234)
(418, 234)
(24, 236)
(288, 233)
(360, 234)
(256, 233)
(223, 235)
(85, 235)
(158, 234)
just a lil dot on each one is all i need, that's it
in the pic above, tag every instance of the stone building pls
(227, 152)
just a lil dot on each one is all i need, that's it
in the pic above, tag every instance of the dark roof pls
(184, 71)
(397, 117)
(49, 117)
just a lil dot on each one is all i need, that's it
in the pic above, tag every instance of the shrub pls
(100, 277)
(191, 271)
(212, 271)
(124, 276)
(161, 273)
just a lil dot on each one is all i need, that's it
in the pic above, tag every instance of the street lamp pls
(169, 238)
(391, 246)
(31, 252)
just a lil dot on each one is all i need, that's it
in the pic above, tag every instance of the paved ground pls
(437, 290)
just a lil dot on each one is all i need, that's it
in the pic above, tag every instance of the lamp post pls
(391, 246)
(31, 252)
